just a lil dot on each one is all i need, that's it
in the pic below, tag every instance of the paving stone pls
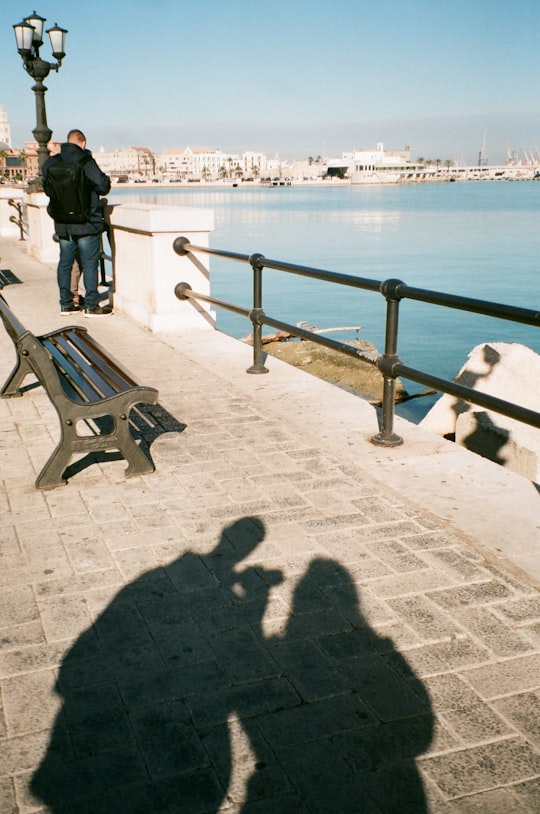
(499, 801)
(155, 682)
(523, 711)
(495, 634)
(89, 555)
(19, 636)
(24, 752)
(59, 782)
(62, 504)
(478, 594)
(476, 723)
(64, 617)
(518, 585)
(26, 498)
(528, 794)
(520, 610)
(378, 510)
(484, 767)
(425, 617)
(305, 723)
(30, 702)
(241, 655)
(78, 584)
(27, 659)
(455, 563)
(244, 700)
(438, 538)
(458, 653)
(7, 796)
(310, 672)
(8, 537)
(506, 677)
(397, 788)
(325, 781)
(167, 739)
(197, 792)
(18, 605)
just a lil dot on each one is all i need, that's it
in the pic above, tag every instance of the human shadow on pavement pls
(362, 716)
(333, 715)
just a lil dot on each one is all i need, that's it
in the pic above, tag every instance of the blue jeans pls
(89, 251)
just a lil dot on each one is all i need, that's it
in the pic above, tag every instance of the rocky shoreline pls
(352, 374)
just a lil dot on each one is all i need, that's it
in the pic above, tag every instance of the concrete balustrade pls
(40, 228)
(146, 268)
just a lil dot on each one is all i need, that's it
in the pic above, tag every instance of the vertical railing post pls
(256, 261)
(387, 437)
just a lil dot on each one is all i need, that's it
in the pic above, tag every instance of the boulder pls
(507, 371)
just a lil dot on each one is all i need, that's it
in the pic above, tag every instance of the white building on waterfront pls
(254, 165)
(5, 130)
(190, 162)
(378, 166)
(134, 162)
(204, 164)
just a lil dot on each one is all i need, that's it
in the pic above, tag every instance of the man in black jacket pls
(84, 237)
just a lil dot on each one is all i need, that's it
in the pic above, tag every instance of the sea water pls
(476, 239)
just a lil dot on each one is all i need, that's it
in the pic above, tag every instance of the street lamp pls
(29, 36)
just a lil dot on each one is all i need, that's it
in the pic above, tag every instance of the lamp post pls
(29, 36)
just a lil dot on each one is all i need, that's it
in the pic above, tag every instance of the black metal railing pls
(20, 218)
(389, 363)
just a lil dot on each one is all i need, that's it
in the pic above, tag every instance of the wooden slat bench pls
(89, 389)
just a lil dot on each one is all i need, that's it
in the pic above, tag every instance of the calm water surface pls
(476, 239)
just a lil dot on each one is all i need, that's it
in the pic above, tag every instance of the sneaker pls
(78, 299)
(98, 311)
(70, 309)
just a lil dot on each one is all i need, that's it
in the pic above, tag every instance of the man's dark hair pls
(76, 136)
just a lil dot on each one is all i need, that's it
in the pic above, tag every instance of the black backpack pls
(69, 191)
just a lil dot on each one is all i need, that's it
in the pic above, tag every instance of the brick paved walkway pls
(259, 626)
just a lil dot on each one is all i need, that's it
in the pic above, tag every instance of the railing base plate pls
(382, 440)
(257, 369)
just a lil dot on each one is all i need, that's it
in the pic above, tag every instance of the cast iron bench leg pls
(70, 443)
(15, 378)
(51, 475)
(139, 464)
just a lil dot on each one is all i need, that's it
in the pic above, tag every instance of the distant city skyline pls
(292, 77)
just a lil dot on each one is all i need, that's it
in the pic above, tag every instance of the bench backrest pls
(69, 364)
(87, 371)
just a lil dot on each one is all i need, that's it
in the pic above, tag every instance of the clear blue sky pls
(298, 77)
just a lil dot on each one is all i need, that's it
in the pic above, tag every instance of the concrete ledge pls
(151, 218)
